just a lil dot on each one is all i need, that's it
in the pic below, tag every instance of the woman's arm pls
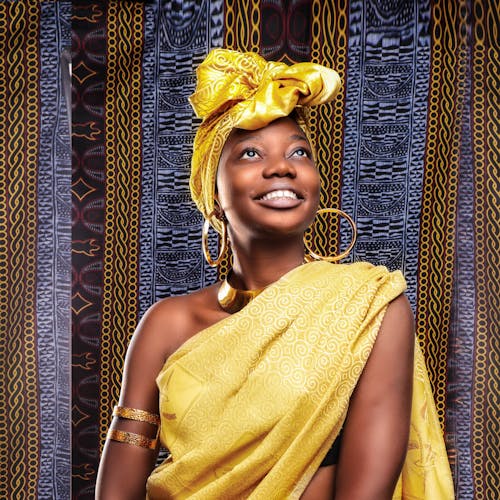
(375, 435)
(124, 468)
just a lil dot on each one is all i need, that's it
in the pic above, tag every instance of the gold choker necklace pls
(232, 300)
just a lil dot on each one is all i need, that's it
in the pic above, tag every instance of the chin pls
(277, 231)
(274, 225)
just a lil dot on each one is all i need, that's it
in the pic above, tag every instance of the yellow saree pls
(251, 405)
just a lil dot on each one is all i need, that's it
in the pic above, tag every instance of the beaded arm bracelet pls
(132, 437)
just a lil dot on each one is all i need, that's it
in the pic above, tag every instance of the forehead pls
(284, 125)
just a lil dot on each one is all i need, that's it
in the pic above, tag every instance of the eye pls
(249, 153)
(301, 152)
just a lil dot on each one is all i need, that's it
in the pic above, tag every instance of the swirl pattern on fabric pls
(243, 90)
(251, 405)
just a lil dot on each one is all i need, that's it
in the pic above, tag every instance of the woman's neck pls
(257, 266)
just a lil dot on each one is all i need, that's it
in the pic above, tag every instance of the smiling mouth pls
(280, 194)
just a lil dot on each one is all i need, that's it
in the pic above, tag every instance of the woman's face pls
(267, 181)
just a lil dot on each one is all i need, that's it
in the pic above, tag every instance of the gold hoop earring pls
(204, 242)
(314, 256)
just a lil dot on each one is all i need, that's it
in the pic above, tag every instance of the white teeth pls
(279, 194)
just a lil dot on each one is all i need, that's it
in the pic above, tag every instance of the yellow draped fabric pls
(251, 405)
(243, 90)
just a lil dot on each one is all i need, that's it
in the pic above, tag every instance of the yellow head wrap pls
(243, 90)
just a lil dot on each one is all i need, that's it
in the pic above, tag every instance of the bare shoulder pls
(164, 327)
(396, 338)
(391, 359)
(398, 321)
(171, 321)
(400, 307)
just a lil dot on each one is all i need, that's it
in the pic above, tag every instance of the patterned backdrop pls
(410, 149)
(35, 245)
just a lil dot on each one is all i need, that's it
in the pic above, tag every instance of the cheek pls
(223, 189)
(227, 193)
(222, 186)
(232, 187)
(315, 184)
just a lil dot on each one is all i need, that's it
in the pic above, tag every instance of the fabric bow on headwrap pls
(243, 90)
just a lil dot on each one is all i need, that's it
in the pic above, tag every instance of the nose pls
(279, 167)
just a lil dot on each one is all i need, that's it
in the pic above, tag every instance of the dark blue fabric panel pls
(177, 40)
(385, 125)
(459, 402)
(54, 257)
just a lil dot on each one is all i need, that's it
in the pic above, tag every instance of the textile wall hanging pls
(410, 149)
(395, 152)
(35, 240)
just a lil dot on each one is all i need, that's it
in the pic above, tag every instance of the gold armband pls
(131, 437)
(135, 414)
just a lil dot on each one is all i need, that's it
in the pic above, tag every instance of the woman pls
(259, 378)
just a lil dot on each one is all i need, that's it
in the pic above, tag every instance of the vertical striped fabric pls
(35, 241)
(410, 149)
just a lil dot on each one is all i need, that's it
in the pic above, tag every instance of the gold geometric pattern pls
(242, 31)
(81, 72)
(439, 196)
(19, 143)
(123, 184)
(79, 303)
(81, 189)
(486, 147)
(329, 47)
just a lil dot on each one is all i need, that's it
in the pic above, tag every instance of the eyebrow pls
(299, 137)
